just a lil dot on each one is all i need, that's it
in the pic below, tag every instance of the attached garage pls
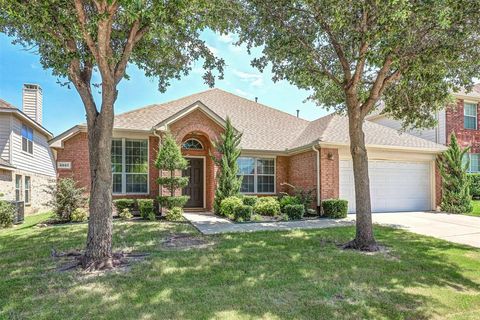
(394, 185)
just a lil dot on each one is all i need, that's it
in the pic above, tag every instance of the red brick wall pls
(302, 171)
(454, 123)
(329, 173)
(281, 173)
(76, 151)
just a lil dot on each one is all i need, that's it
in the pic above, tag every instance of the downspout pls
(319, 200)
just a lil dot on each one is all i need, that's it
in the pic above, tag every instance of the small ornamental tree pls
(455, 182)
(170, 159)
(228, 181)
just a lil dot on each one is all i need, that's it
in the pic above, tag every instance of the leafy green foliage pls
(242, 213)
(122, 204)
(335, 208)
(474, 185)
(66, 197)
(147, 208)
(228, 205)
(294, 211)
(175, 201)
(228, 180)
(7, 214)
(304, 196)
(79, 215)
(287, 200)
(174, 214)
(125, 214)
(455, 181)
(267, 206)
(170, 159)
(249, 200)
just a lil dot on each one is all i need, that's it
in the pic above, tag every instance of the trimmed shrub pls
(250, 200)
(256, 217)
(228, 205)
(171, 202)
(267, 206)
(66, 197)
(335, 208)
(7, 214)
(125, 214)
(243, 213)
(122, 204)
(174, 214)
(79, 215)
(474, 179)
(147, 209)
(294, 211)
(288, 200)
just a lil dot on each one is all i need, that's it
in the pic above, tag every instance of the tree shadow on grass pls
(298, 274)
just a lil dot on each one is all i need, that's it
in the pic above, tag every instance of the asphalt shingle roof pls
(5, 163)
(265, 128)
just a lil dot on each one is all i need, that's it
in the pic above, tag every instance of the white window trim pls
(465, 115)
(124, 172)
(22, 137)
(29, 190)
(470, 163)
(255, 176)
(201, 144)
(20, 188)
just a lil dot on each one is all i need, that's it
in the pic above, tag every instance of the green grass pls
(476, 208)
(265, 275)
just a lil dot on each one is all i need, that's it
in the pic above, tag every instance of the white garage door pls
(394, 186)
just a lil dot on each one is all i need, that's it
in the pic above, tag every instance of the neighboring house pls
(460, 118)
(27, 165)
(276, 148)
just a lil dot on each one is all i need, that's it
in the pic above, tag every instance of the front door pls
(194, 189)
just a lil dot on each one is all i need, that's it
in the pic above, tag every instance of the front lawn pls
(476, 208)
(267, 275)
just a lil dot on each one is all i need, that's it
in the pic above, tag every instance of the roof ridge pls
(263, 105)
(166, 102)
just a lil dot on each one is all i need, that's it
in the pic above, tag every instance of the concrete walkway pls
(207, 223)
(451, 227)
(455, 228)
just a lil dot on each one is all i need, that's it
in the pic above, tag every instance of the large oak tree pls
(353, 54)
(76, 38)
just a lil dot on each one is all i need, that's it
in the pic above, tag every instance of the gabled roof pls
(473, 93)
(198, 105)
(263, 128)
(6, 107)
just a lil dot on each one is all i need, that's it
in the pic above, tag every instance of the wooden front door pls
(194, 189)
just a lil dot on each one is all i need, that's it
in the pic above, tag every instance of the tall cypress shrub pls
(453, 168)
(170, 159)
(228, 181)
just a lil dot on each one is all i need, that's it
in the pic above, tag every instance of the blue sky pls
(63, 107)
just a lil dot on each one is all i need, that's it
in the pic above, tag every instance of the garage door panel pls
(394, 186)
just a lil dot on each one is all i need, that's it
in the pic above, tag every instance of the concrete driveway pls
(450, 227)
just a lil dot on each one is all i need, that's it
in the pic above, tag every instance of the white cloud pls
(226, 38)
(241, 92)
(254, 79)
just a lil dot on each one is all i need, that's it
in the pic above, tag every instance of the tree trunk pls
(98, 254)
(364, 239)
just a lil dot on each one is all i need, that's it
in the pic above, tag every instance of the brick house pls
(27, 164)
(276, 148)
(460, 118)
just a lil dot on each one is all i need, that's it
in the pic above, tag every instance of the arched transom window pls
(192, 144)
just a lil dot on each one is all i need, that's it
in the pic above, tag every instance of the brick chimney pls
(32, 101)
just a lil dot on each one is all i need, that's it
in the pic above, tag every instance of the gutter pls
(319, 200)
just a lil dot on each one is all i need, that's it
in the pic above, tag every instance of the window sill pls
(131, 194)
(27, 154)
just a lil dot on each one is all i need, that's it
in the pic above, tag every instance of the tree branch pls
(82, 20)
(136, 34)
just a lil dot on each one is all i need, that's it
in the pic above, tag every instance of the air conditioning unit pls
(19, 212)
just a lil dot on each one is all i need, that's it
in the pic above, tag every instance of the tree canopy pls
(409, 53)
